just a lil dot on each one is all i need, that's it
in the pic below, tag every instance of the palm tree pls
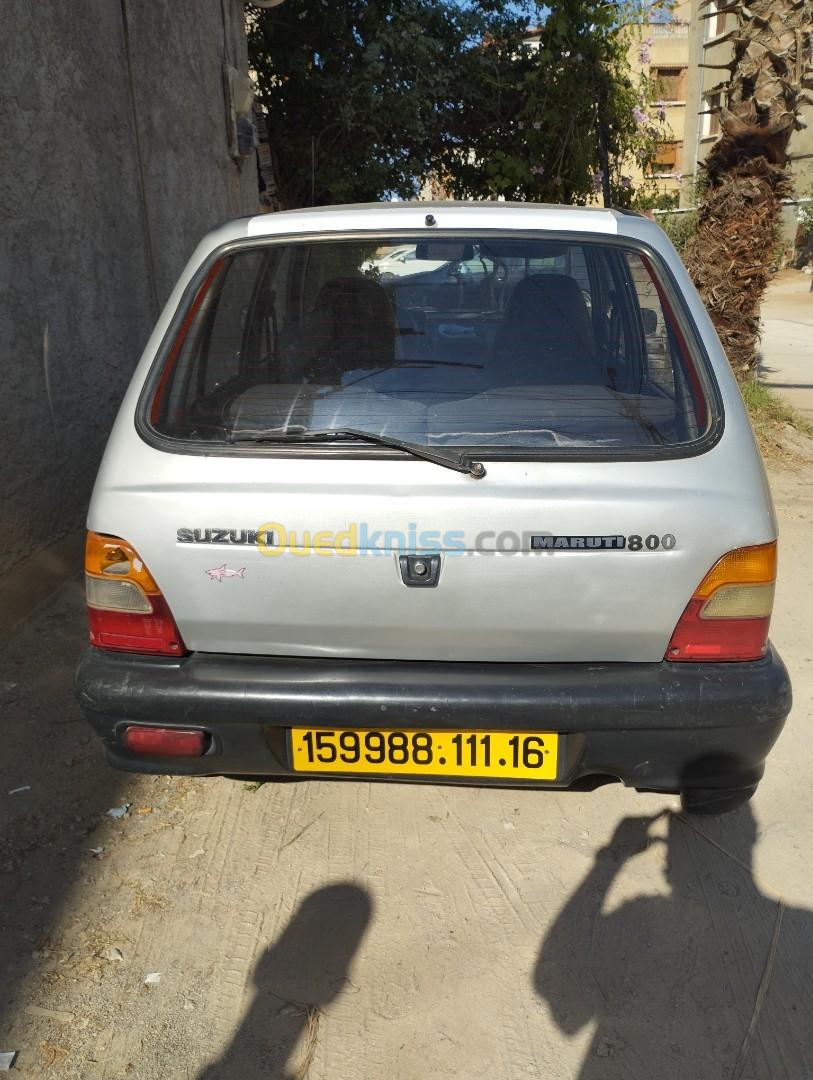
(746, 174)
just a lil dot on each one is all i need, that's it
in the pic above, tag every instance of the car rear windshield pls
(512, 344)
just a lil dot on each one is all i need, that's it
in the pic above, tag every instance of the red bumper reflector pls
(163, 741)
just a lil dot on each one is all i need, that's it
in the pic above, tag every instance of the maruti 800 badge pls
(635, 542)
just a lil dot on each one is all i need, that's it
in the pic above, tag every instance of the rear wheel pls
(715, 800)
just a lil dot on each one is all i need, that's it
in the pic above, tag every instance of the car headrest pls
(352, 324)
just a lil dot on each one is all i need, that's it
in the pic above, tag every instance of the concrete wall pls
(109, 173)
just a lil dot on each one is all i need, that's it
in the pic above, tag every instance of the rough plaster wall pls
(76, 302)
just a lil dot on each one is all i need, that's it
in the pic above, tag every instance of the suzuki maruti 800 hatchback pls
(499, 519)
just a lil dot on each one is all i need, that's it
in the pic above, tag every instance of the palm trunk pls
(746, 174)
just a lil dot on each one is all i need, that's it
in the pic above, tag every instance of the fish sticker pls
(221, 572)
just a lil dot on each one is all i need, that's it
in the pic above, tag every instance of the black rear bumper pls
(660, 726)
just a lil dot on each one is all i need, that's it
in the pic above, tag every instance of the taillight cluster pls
(126, 610)
(729, 614)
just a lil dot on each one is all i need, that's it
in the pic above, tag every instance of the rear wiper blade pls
(462, 463)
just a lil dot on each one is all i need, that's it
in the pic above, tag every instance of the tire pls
(708, 801)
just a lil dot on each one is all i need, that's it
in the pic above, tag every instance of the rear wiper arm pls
(462, 463)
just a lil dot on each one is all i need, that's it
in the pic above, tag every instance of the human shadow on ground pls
(711, 982)
(295, 980)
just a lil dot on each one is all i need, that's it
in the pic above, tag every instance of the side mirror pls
(650, 320)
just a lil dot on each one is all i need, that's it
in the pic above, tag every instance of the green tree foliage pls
(367, 99)
(357, 91)
(557, 121)
(679, 227)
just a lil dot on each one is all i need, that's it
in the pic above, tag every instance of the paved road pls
(787, 345)
(380, 931)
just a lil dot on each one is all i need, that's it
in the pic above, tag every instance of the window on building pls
(667, 157)
(710, 126)
(714, 24)
(669, 83)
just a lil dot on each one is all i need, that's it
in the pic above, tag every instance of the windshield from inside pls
(482, 342)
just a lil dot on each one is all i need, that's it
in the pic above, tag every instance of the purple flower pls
(626, 182)
(598, 180)
(538, 170)
(639, 115)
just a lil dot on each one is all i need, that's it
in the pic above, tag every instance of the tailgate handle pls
(420, 571)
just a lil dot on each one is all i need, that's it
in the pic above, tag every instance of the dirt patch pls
(785, 437)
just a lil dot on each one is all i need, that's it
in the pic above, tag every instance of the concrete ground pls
(787, 343)
(358, 931)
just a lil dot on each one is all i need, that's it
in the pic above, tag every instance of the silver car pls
(506, 526)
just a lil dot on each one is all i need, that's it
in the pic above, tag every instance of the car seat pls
(352, 325)
(545, 336)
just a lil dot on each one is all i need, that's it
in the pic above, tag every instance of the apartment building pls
(660, 52)
(710, 50)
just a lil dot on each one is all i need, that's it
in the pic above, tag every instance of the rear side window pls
(476, 341)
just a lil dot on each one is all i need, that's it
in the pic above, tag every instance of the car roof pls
(394, 219)
(397, 216)
(412, 215)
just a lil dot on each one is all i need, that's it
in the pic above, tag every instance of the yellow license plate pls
(510, 754)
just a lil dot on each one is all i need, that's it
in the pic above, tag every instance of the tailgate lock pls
(420, 571)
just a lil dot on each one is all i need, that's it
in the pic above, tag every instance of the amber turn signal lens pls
(745, 566)
(110, 557)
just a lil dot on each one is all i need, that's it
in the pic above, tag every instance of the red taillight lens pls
(126, 611)
(167, 742)
(125, 631)
(696, 638)
(730, 613)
